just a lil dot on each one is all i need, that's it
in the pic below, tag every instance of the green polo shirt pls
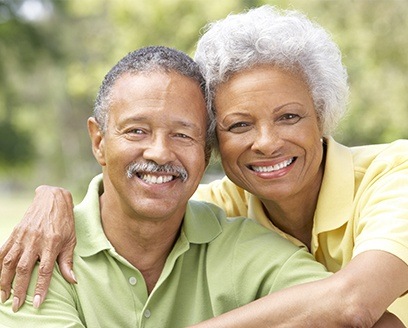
(217, 264)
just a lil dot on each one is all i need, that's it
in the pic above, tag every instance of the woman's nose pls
(267, 140)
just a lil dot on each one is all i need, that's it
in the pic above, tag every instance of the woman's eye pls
(290, 118)
(238, 127)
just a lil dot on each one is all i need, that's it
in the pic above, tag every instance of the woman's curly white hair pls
(285, 39)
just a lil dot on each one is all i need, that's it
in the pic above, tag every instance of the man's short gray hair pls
(149, 59)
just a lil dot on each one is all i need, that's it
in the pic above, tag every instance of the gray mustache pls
(152, 167)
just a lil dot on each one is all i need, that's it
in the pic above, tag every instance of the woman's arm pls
(356, 296)
(46, 233)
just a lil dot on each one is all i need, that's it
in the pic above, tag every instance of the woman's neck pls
(294, 215)
(294, 221)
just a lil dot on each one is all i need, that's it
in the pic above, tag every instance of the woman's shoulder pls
(393, 153)
(224, 193)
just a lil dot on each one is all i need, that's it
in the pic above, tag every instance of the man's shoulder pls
(249, 254)
(205, 210)
(237, 231)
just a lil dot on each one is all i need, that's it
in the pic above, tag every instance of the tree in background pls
(53, 55)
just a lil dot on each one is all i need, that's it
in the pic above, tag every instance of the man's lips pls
(153, 173)
(155, 178)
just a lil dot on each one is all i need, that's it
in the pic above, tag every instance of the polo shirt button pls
(147, 314)
(132, 281)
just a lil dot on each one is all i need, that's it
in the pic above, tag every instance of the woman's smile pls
(269, 134)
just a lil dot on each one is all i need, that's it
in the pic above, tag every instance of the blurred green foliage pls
(54, 54)
(16, 146)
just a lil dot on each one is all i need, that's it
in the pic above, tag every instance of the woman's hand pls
(46, 234)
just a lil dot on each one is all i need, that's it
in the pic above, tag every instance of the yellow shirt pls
(362, 205)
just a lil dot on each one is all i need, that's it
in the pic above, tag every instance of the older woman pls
(278, 90)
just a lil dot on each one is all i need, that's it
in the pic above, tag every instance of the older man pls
(146, 255)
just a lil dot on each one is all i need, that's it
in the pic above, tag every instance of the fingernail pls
(3, 296)
(16, 304)
(37, 301)
(73, 276)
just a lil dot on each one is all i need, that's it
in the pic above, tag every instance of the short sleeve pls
(58, 309)
(382, 212)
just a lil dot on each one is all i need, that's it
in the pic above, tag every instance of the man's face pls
(157, 121)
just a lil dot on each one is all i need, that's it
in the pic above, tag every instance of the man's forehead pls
(151, 75)
(145, 84)
(145, 94)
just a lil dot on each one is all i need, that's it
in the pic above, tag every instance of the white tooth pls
(274, 167)
(156, 179)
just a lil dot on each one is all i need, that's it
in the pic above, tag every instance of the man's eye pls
(182, 136)
(136, 131)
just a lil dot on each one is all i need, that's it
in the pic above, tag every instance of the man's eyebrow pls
(186, 124)
(136, 117)
(181, 123)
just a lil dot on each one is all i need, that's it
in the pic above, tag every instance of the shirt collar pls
(337, 189)
(200, 224)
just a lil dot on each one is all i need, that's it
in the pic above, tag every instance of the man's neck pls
(145, 244)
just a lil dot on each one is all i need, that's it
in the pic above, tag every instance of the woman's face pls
(268, 132)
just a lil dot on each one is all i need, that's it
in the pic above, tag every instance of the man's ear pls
(98, 141)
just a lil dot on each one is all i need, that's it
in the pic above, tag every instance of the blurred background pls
(54, 55)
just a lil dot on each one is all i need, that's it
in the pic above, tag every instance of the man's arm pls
(41, 237)
(356, 296)
(60, 309)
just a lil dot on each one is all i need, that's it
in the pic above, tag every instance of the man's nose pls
(159, 150)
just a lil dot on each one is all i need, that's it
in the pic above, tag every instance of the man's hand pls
(46, 234)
